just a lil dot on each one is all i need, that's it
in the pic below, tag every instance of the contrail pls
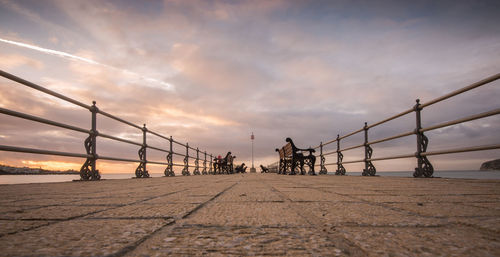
(87, 60)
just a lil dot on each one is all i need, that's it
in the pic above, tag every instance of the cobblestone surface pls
(252, 214)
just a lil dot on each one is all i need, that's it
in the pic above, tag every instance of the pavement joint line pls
(254, 201)
(83, 215)
(374, 203)
(417, 214)
(35, 206)
(27, 209)
(458, 223)
(131, 248)
(55, 220)
(344, 224)
(206, 202)
(387, 207)
(162, 203)
(344, 244)
(489, 232)
(194, 225)
(15, 232)
(362, 225)
(132, 218)
(33, 219)
(469, 204)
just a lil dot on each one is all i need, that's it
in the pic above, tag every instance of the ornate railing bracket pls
(424, 167)
(369, 169)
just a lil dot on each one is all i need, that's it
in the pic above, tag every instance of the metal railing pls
(424, 166)
(88, 170)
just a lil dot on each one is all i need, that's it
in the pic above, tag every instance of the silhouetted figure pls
(264, 169)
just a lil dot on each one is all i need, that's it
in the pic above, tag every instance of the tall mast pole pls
(252, 137)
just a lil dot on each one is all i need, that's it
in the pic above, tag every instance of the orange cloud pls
(196, 118)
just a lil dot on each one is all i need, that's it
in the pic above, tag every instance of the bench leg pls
(312, 161)
(302, 171)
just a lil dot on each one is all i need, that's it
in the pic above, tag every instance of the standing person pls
(219, 164)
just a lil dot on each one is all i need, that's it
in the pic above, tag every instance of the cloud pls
(11, 61)
(308, 70)
(163, 85)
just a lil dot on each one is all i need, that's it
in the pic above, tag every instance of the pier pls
(252, 214)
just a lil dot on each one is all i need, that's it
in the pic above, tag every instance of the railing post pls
(197, 163)
(204, 172)
(185, 171)
(169, 171)
(424, 166)
(141, 171)
(88, 170)
(210, 171)
(323, 169)
(340, 168)
(369, 169)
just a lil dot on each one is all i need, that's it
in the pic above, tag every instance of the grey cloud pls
(300, 69)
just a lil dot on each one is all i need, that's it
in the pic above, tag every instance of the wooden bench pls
(226, 164)
(293, 159)
(281, 164)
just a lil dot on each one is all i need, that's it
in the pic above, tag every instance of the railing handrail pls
(41, 120)
(424, 166)
(42, 89)
(92, 155)
(431, 102)
(462, 90)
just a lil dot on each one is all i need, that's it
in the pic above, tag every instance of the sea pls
(26, 179)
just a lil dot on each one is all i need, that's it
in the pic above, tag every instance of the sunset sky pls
(212, 72)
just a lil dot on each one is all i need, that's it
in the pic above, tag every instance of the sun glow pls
(52, 165)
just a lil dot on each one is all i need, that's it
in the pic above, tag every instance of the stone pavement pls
(252, 214)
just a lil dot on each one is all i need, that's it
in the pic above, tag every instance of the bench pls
(226, 164)
(281, 165)
(293, 159)
(264, 169)
(240, 168)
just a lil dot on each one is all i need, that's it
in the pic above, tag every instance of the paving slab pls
(181, 197)
(362, 214)
(246, 214)
(314, 195)
(438, 241)
(250, 192)
(252, 214)
(148, 211)
(78, 238)
(238, 241)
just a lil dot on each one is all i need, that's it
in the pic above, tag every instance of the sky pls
(212, 72)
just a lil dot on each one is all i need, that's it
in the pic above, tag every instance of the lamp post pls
(252, 137)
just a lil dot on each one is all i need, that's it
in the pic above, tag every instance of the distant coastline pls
(491, 165)
(8, 170)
